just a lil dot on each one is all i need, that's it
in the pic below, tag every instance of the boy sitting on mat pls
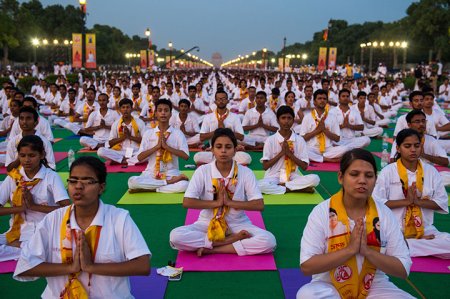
(283, 153)
(125, 136)
(186, 123)
(161, 146)
(223, 190)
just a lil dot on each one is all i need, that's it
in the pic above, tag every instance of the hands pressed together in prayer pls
(82, 257)
(358, 239)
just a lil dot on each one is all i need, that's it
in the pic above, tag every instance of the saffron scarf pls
(345, 278)
(243, 93)
(162, 156)
(223, 116)
(289, 165)
(120, 129)
(414, 227)
(273, 103)
(74, 288)
(86, 110)
(321, 138)
(218, 226)
(14, 233)
(151, 115)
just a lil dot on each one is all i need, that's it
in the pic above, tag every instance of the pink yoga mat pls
(325, 166)
(8, 266)
(118, 168)
(225, 262)
(430, 265)
(59, 156)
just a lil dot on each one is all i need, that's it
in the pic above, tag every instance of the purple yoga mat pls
(153, 286)
(292, 280)
(325, 166)
(430, 264)
(225, 262)
(8, 266)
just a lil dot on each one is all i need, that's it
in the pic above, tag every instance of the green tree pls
(8, 20)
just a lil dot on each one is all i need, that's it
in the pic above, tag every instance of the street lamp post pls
(362, 53)
(284, 49)
(370, 56)
(170, 53)
(149, 46)
(35, 42)
(83, 32)
(404, 45)
(304, 57)
(264, 52)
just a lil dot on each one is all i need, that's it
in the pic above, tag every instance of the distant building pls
(216, 59)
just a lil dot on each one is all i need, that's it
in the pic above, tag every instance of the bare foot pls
(428, 237)
(175, 179)
(243, 234)
(202, 251)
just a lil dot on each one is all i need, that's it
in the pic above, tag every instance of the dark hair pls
(219, 91)
(413, 113)
(32, 100)
(72, 90)
(331, 210)
(36, 144)
(19, 103)
(319, 92)
(28, 109)
(428, 94)
(103, 94)
(402, 135)
(261, 92)
(94, 163)
(223, 132)
(91, 88)
(285, 110)
(276, 91)
(156, 87)
(344, 90)
(252, 87)
(137, 85)
(125, 101)
(63, 86)
(357, 154)
(18, 92)
(192, 87)
(414, 93)
(163, 102)
(288, 93)
(184, 101)
(361, 94)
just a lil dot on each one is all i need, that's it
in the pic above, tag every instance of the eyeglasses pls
(84, 182)
(419, 121)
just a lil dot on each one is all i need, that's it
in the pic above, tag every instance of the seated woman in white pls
(32, 190)
(414, 191)
(283, 153)
(352, 263)
(223, 190)
(222, 117)
(99, 124)
(186, 123)
(125, 136)
(89, 248)
(320, 131)
(161, 147)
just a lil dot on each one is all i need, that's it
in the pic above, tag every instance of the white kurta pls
(101, 135)
(315, 242)
(194, 236)
(350, 137)
(120, 241)
(389, 187)
(251, 118)
(191, 124)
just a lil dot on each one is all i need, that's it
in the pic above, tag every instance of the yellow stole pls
(243, 93)
(116, 101)
(73, 287)
(273, 103)
(218, 226)
(72, 117)
(250, 104)
(86, 110)
(164, 156)
(222, 117)
(289, 165)
(137, 102)
(151, 115)
(414, 227)
(120, 129)
(14, 233)
(345, 278)
(321, 138)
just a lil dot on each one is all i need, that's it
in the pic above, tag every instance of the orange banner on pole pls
(76, 50)
(151, 58)
(91, 60)
(332, 55)
(143, 59)
(322, 59)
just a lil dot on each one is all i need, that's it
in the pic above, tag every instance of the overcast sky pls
(233, 27)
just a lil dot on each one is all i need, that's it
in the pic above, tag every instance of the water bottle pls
(385, 142)
(384, 158)
(70, 157)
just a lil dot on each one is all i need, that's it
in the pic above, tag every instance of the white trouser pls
(2, 159)
(383, 122)
(323, 290)
(248, 140)
(332, 152)
(258, 138)
(74, 127)
(149, 183)
(296, 182)
(355, 142)
(44, 109)
(389, 114)
(207, 157)
(194, 236)
(372, 132)
(445, 176)
(91, 142)
(439, 246)
(110, 154)
(445, 143)
(8, 253)
(193, 140)
(3, 146)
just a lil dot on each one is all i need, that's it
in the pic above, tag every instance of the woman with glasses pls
(89, 249)
(32, 190)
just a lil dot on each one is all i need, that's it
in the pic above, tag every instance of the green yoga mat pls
(177, 198)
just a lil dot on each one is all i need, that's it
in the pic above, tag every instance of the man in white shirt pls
(444, 91)
(161, 147)
(368, 116)
(8, 121)
(186, 123)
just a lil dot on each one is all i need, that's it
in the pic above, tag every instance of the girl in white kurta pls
(283, 153)
(223, 190)
(62, 255)
(368, 249)
(161, 147)
(40, 192)
(429, 197)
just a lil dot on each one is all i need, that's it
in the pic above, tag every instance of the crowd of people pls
(222, 115)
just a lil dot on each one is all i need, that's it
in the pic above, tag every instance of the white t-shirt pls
(272, 147)
(308, 125)
(114, 133)
(315, 239)
(251, 118)
(12, 154)
(120, 241)
(210, 123)
(175, 140)
(190, 124)
(354, 118)
(95, 118)
(246, 189)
